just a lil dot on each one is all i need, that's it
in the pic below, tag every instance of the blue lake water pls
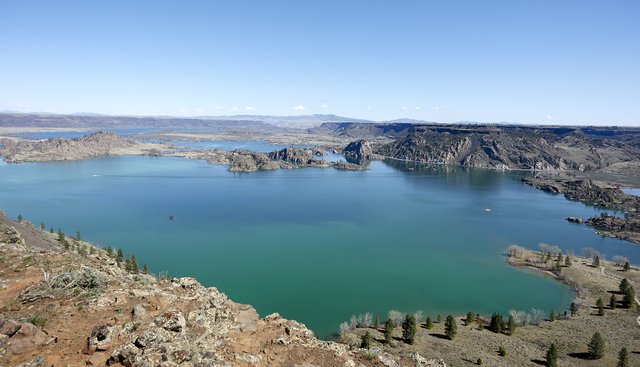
(317, 245)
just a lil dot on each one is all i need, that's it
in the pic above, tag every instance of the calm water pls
(317, 245)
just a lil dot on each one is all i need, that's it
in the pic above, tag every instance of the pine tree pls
(42, 227)
(629, 297)
(626, 267)
(388, 330)
(132, 265)
(613, 303)
(623, 358)
(366, 341)
(600, 305)
(439, 319)
(596, 346)
(552, 315)
(511, 325)
(19, 219)
(574, 308)
(145, 270)
(470, 318)
(450, 327)
(596, 262)
(78, 236)
(61, 237)
(496, 324)
(376, 323)
(409, 329)
(567, 261)
(119, 256)
(429, 322)
(552, 356)
(624, 284)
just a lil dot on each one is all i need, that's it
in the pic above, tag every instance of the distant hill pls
(91, 120)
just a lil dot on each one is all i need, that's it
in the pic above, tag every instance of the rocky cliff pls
(508, 147)
(70, 303)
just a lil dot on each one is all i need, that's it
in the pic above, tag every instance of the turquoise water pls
(316, 245)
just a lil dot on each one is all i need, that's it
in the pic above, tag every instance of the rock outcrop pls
(102, 143)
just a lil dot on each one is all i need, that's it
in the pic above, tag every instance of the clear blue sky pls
(522, 61)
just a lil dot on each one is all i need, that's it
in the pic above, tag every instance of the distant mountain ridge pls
(93, 120)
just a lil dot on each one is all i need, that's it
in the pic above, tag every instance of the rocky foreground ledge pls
(69, 303)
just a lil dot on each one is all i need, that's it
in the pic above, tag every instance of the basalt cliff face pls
(75, 305)
(499, 146)
(510, 149)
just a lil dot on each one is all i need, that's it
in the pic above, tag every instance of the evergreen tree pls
(429, 323)
(51, 230)
(552, 356)
(623, 358)
(78, 236)
(119, 256)
(145, 270)
(366, 340)
(574, 308)
(596, 346)
(567, 261)
(409, 329)
(626, 267)
(109, 251)
(42, 227)
(559, 258)
(600, 305)
(596, 262)
(552, 315)
(548, 257)
(439, 319)
(470, 318)
(61, 237)
(376, 323)
(479, 362)
(511, 325)
(19, 219)
(450, 327)
(388, 330)
(628, 299)
(624, 284)
(613, 303)
(132, 265)
(558, 267)
(496, 324)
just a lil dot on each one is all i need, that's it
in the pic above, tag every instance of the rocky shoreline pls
(600, 194)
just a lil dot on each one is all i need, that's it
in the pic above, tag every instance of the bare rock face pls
(360, 151)
(297, 157)
(27, 338)
(101, 337)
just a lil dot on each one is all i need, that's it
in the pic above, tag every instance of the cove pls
(317, 245)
